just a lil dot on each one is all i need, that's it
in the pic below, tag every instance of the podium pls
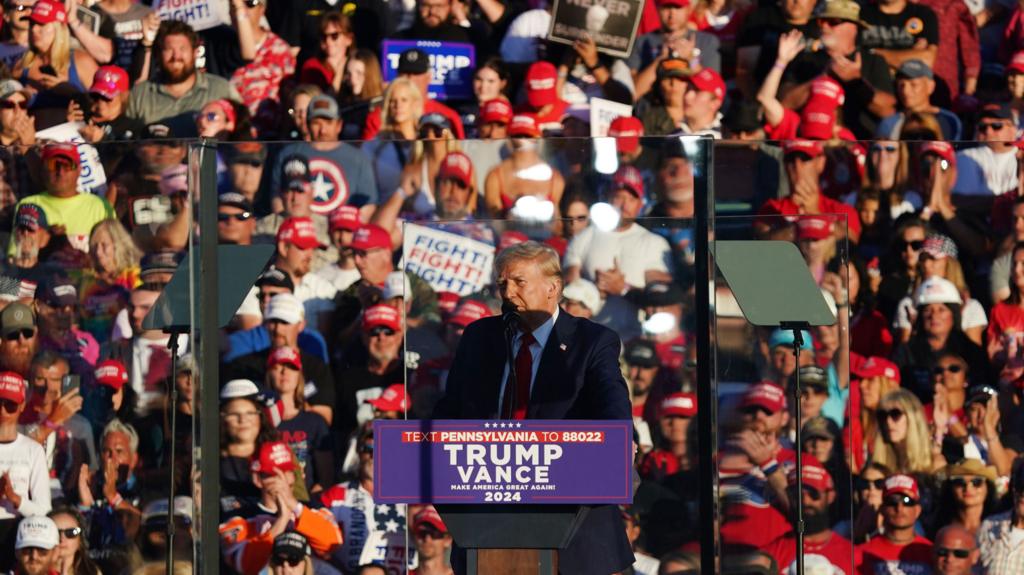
(512, 539)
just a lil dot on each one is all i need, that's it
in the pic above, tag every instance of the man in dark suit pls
(568, 369)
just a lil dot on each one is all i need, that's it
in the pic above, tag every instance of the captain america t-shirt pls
(835, 555)
(899, 31)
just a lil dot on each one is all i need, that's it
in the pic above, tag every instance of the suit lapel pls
(552, 370)
(495, 359)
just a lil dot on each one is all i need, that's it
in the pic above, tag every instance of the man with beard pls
(898, 549)
(180, 91)
(434, 22)
(20, 338)
(372, 532)
(296, 244)
(16, 25)
(36, 546)
(32, 244)
(284, 320)
(823, 548)
(381, 335)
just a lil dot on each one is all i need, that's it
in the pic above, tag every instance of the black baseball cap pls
(659, 294)
(813, 376)
(642, 353)
(413, 61)
(58, 291)
(291, 546)
(274, 277)
(996, 111)
(164, 262)
(234, 199)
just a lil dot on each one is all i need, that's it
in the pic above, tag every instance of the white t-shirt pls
(25, 462)
(524, 35)
(971, 315)
(982, 172)
(636, 250)
(316, 295)
(339, 278)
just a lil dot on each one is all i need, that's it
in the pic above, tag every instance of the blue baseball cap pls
(785, 337)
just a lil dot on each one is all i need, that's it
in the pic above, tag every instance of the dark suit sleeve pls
(466, 356)
(605, 391)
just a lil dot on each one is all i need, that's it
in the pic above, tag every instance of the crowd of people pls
(883, 138)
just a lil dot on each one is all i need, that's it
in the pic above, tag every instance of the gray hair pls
(118, 426)
(543, 255)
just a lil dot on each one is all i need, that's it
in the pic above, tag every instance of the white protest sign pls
(602, 112)
(92, 179)
(448, 262)
(200, 14)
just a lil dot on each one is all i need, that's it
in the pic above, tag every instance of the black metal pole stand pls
(172, 344)
(798, 342)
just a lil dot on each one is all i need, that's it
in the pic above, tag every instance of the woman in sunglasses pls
(903, 443)
(868, 489)
(73, 549)
(224, 120)
(899, 264)
(968, 495)
(327, 69)
(874, 384)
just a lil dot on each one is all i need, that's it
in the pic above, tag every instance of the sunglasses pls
(9, 406)
(381, 330)
(429, 534)
(914, 245)
(884, 148)
(862, 484)
(896, 500)
(958, 553)
(291, 561)
(11, 104)
(954, 368)
(250, 163)
(753, 410)
(366, 448)
(982, 126)
(24, 333)
(832, 22)
(331, 35)
(210, 116)
(70, 532)
(242, 217)
(17, 7)
(961, 482)
(893, 414)
(253, 3)
(811, 492)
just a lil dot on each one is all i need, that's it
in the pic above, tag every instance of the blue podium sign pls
(452, 65)
(532, 461)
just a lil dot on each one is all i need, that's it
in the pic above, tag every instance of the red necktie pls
(159, 368)
(524, 372)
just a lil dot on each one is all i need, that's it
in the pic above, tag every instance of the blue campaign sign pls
(530, 461)
(452, 63)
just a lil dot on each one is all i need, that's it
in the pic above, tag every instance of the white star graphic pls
(383, 509)
(518, 425)
(322, 188)
(391, 526)
(487, 425)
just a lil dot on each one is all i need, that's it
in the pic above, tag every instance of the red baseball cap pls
(808, 147)
(817, 122)
(901, 484)
(111, 373)
(496, 110)
(470, 311)
(381, 315)
(1016, 63)
(826, 92)
(448, 301)
(707, 80)
(109, 82)
(46, 11)
(61, 150)
(943, 150)
(429, 516)
(814, 474)
(678, 404)
(370, 236)
(458, 166)
(765, 394)
(286, 355)
(344, 218)
(300, 232)
(273, 455)
(524, 125)
(878, 367)
(628, 177)
(813, 228)
(12, 387)
(393, 399)
(680, 3)
(511, 238)
(541, 84)
(627, 131)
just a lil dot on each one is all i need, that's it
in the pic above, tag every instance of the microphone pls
(509, 315)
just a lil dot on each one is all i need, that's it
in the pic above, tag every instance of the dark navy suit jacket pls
(578, 378)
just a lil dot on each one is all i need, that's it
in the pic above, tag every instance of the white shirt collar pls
(543, 332)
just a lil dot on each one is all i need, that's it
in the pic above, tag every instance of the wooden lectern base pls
(513, 561)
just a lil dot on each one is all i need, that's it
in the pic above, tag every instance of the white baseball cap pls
(285, 307)
(158, 508)
(397, 285)
(238, 388)
(37, 531)
(937, 290)
(585, 292)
